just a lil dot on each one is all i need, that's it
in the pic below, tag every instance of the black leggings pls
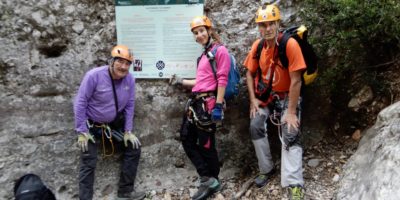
(199, 146)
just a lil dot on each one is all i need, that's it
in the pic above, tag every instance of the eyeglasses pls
(123, 61)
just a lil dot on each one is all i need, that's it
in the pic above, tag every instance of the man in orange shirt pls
(281, 102)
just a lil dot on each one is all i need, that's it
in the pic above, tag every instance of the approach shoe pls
(262, 179)
(295, 193)
(208, 186)
(131, 196)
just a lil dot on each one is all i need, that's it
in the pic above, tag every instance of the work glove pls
(83, 139)
(128, 136)
(176, 80)
(217, 114)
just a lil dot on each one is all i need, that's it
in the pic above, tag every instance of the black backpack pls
(31, 187)
(299, 33)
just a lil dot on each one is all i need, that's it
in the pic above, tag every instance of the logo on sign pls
(160, 65)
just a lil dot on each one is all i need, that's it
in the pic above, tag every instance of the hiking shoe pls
(208, 186)
(131, 196)
(261, 180)
(295, 193)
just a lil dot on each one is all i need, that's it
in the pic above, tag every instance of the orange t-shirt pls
(281, 79)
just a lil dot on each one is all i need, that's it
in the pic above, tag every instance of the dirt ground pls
(322, 165)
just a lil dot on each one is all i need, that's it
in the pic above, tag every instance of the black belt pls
(96, 123)
(198, 95)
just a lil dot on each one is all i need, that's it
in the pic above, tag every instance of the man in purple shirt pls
(106, 94)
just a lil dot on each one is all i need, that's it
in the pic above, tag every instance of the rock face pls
(365, 95)
(373, 171)
(47, 46)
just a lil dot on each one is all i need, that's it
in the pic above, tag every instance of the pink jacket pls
(205, 80)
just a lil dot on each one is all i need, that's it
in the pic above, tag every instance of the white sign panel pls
(160, 37)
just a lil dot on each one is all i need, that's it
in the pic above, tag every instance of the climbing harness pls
(198, 112)
(275, 117)
(106, 133)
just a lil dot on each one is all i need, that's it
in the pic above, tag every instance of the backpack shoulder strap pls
(198, 60)
(211, 58)
(286, 35)
(259, 49)
(258, 56)
(214, 50)
(282, 49)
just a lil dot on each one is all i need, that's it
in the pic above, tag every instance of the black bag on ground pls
(31, 187)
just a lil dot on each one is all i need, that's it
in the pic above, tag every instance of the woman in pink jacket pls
(205, 106)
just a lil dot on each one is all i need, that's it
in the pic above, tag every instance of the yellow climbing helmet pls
(200, 21)
(122, 51)
(268, 13)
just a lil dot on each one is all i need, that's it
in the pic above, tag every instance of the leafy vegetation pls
(354, 37)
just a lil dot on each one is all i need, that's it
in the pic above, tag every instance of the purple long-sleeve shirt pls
(95, 99)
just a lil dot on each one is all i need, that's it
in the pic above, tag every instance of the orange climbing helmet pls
(268, 13)
(200, 21)
(122, 51)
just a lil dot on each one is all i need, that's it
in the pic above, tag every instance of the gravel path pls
(322, 164)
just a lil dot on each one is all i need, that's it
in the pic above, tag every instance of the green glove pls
(83, 139)
(175, 80)
(129, 136)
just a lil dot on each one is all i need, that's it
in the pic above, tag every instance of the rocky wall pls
(47, 46)
(373, 172)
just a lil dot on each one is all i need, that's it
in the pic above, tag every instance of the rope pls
(275, 120)
(106, 131)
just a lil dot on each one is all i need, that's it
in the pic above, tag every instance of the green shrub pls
(353, 37)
